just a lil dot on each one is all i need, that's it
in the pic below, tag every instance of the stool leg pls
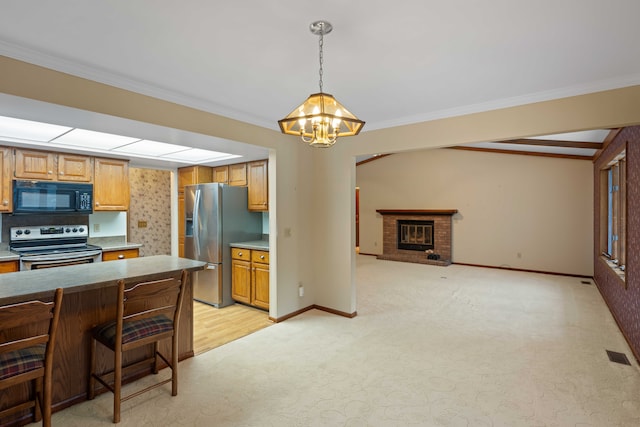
(91, 393)
(117, 386)
(174, 364)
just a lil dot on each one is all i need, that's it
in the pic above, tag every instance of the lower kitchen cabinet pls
(250, 277)
(120, 254)
(9, 266)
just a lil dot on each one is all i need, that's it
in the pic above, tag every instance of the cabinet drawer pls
(240, 253)
(9, 266)
(115, 255)
(260, 256)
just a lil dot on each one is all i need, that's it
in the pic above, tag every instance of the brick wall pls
(442, 228)
(623, 301)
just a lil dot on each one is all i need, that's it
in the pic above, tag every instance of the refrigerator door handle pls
(196, 223)
(211, 266)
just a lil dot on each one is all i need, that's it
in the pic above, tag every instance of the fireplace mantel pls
(417, 211)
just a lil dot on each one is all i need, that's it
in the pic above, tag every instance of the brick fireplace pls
(404, 228)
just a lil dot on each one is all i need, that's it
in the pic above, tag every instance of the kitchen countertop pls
(261, 245)
(119, 246)
(8, 256)
(23, 285)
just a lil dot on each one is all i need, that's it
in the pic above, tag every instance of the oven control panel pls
(48, 232)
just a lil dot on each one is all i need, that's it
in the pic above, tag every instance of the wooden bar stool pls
(27, 339)
(146, 313)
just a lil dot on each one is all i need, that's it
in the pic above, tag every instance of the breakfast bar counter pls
(89, 299)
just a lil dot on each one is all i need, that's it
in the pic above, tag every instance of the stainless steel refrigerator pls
(216, 215)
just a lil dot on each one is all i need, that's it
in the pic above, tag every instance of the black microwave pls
(39, 197)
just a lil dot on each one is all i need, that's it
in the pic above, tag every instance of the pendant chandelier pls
(321, 119)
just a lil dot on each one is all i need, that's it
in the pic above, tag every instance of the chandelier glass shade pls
(321, 119)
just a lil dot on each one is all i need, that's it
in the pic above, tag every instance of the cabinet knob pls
(97, 203)
(261, 256)
(60, 173)
(5, 202)
(49, 172)
(239, 253)
(120, 256)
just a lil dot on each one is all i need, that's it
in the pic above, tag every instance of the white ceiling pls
(390, 63)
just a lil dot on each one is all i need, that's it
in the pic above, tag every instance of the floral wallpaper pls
(151, 203)
(624, 303)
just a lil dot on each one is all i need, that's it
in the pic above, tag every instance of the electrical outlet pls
(96, 228)
(142, 224)
(301, 290)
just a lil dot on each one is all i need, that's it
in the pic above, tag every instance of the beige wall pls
(515, 211)
(312, 191)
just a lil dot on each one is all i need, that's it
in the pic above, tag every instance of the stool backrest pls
(149, 299)
(27, 324)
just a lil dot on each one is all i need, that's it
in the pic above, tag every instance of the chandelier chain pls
(321, 44)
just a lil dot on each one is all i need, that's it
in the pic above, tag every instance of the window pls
(613, 213)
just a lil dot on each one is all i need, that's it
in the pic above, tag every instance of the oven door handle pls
(54, 258)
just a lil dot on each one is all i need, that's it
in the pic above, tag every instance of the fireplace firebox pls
(415, 235)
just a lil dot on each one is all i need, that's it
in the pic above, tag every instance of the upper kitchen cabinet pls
(193, 175)
(75, 168)
(111, 185)
(238, 174)
(6, 169)
(220, 174)
(33, 164)
(258, 185)
(43, 165)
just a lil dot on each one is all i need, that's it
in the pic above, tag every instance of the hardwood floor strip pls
(214, 327)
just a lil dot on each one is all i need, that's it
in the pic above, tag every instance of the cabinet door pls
(6, 169)
(111, 185)
(31, 164)
(238, 174)
(193, 175)
(260, 286)
(221, 174)
(241, 281)
(75, 168)
(258, 188)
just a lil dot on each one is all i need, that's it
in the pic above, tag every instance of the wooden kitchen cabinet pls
(238, 174)
(250, 277)
(220, 174)
(111, 185)
(75, 168)
(193, 175)
(34, 164)
(258, 184)
(48, 166)
(9, 266)
(6, 169)
(120, 254)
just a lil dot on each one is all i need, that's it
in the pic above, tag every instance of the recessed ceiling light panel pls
(93, 140)
(150, 148)
(29, 130)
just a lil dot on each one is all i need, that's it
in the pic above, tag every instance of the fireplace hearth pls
(420, 236)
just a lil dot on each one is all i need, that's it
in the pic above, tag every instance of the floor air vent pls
(616, 357)
(585, 282)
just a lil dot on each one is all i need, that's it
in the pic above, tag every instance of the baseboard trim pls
(311, 307)
(525, 270)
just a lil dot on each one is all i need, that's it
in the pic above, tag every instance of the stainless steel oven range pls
(53, 246)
